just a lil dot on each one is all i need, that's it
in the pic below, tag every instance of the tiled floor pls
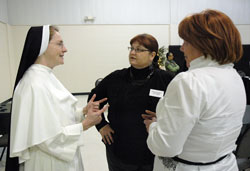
(93, 151)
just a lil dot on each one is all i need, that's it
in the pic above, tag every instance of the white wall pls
(245, 33)
(3, 11)
(93, 51)
(98, 48)
(5, 73)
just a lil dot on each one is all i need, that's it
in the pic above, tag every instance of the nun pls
(46, 125)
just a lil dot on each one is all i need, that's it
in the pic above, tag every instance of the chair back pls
(98, 81)
(243, 143)
(4, 118)
(4, 125)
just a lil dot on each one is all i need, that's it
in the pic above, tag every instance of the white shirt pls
(200, 116)
(45, 124)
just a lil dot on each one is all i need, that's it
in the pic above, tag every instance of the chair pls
(98, 81)
(4, 126)
(242, 152)
(3, 143)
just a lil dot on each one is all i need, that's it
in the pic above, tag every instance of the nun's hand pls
(94, 114)
(93, 104)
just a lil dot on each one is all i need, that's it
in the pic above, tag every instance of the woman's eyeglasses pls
(137, 50)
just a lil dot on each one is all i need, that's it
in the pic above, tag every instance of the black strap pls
(196, 163)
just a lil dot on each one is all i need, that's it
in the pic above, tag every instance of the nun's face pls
(55, 51)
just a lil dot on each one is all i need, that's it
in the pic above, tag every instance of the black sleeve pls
(101, 91)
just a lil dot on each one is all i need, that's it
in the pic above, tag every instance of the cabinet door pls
(126, 11)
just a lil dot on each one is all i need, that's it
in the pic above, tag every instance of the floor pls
(93, 151)
(94, 155)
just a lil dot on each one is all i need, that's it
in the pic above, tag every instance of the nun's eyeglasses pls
(137, 50)
(60, 44)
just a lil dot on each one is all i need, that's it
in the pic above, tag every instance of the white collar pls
(42, 67)
(206, 62)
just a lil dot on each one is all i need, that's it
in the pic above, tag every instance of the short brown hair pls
(146, 40)
(212, 32)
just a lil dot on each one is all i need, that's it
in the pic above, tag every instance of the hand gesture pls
(94, 104)
(93, 115)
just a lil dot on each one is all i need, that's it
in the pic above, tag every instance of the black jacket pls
(127, 91)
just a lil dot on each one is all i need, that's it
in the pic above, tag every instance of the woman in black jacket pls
(131, 91)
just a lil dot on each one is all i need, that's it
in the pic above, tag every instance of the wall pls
(99, 47)
(96, 50)
(245, 33)
(5, 73)
(93, 51)
(3, 11)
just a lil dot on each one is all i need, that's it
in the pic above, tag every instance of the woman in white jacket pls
(200, 116)
(45, 124)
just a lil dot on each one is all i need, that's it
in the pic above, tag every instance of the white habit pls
(45, 124)
(199, 118)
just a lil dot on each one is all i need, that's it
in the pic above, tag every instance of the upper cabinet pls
(237, 10)
(63, 12)
(3, 11)
(125, 11)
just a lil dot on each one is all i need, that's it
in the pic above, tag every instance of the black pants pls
(116, 164)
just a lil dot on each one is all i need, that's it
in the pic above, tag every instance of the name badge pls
(156, 93)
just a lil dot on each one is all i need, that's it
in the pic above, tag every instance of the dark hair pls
(149, 42)
(213, 33)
